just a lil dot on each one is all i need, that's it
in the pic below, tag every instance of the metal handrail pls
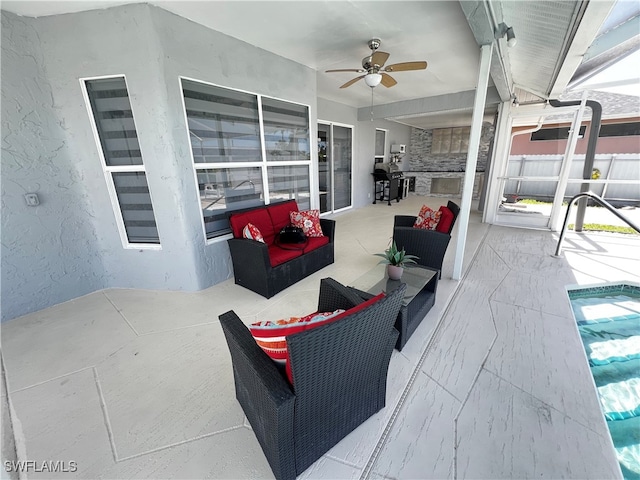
(599, 200)
(233, 188)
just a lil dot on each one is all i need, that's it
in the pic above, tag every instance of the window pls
(381, 142)
(558, 133)
(286, 130)
(122, 160)
(620, 129)
(450, 140)
(248, 150)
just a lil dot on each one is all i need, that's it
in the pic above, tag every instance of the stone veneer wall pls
(422, 160)
(423, 183)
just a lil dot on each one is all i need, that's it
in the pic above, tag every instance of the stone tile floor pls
(493, 384)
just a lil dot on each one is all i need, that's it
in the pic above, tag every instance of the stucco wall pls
(193, 51)
(56, 155)
(49, 252)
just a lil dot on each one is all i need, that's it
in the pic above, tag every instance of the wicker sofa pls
(339, 373)
(266, 268)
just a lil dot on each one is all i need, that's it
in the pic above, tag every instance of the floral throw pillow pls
(308, 221)
(427, 219)
(252, 233)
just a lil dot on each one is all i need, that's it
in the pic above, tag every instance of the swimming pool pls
(608, 318)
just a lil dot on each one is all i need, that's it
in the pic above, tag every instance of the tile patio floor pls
(493, 384)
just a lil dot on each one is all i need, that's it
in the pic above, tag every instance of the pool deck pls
(493, 384)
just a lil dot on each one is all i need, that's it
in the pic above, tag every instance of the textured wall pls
(193, 51)
(122, 41)
(49, 252)
(422, 160)
(70, 245)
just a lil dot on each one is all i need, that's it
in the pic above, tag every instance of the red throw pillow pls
(360, 306)
(252, 233)
(446, 219)
(308, 221)
(427, 219)
(272, 336)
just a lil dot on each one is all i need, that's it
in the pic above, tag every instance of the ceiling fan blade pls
(378, 58)
(356, 70)
(388, 80)
(405, 66)
(351, 82)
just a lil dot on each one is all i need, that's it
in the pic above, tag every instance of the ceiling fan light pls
(373, 79)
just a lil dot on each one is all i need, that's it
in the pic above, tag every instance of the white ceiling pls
(334, 34)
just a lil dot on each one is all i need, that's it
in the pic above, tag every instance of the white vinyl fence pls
(615, 171)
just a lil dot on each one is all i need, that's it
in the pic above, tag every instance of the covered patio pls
(113, 358)
(494, 383)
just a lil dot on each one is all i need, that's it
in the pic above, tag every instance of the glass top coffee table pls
(420, 295)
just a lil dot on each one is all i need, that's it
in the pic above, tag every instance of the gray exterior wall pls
(83, 250)
(49, 252)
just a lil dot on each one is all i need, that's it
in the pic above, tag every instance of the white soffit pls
(333, 35)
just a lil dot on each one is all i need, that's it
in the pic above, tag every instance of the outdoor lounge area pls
(156, 155)
(494, 383)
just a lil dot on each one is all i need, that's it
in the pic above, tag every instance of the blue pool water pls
(609, 323)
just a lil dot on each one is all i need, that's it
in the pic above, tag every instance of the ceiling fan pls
(376, 71)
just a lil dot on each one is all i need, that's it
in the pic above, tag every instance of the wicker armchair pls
(339, 373)
(429, 245)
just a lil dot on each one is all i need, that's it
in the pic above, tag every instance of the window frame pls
(109, 170)
(384, 152)
(264, 164)
(560, 130)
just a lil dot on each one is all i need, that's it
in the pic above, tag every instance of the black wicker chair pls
(339, 377)
(429, 245)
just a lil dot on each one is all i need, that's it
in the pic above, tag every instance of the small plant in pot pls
(396, 260)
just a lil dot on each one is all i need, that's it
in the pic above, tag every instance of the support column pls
(472, 156)
(565, 168)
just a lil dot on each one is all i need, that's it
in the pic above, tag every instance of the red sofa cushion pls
(279, 214)
(259, 217)
(360, 306)
(279, 255)
(315, 242)
(446, 219)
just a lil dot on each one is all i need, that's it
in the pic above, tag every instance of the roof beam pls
(614, 37)
(420, 106)
(587, 29)
(481, 25)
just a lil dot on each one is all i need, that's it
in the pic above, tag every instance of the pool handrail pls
(599, 200)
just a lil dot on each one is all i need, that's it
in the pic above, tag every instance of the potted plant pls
(396, 260)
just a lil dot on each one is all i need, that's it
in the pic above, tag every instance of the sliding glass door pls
(335, 161)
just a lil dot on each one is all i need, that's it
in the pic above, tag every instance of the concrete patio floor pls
(493, 384)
